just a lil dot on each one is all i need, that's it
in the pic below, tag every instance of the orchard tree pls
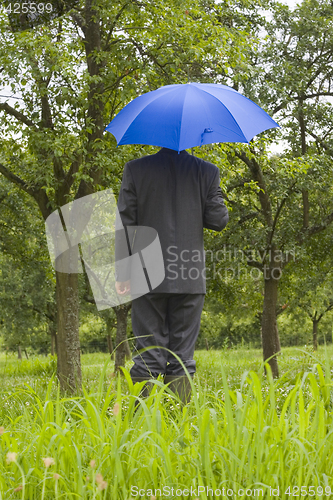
(71, 77)
(308, 281)
(264, 195)
(27, 305)
(234, 291)
(279, 203)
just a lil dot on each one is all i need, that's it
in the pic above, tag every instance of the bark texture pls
(122, 347)
(315, 322)
(110, 345)
(270, 336)
(68, 342)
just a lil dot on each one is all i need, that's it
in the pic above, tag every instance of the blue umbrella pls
(186, 115)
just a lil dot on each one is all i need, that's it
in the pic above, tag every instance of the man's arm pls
(215, 213)
(127, 212)
(127, 201)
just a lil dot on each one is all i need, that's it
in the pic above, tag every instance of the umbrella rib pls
(228, 89)
(181, 124)
(137, 114)
(232, 116)
(199, 90)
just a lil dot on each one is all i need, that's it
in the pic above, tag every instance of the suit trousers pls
(166, 320)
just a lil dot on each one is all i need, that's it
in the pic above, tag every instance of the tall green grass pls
(256, 434)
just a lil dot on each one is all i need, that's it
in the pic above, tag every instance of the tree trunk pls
(270, 335)
(68, 342)
(109, 325)
(52, 324)
(110, 345)
(19, 353)
(128, 353)
(122, 347)
(53, 335)
(314, 333)
(26, 354)
(272, 272)
(53, 344)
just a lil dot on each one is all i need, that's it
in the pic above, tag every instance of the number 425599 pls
(25, 8)
(303, 491)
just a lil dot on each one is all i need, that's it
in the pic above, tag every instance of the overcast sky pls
(291, 3)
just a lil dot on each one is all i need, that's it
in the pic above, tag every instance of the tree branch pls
(150, 55)
(257, 175)
(328, 308)
(225, 197)
(278, 211)
(51, 317)
(322, 143)
(256, 264)
(17, 114)
(15, 179)
(117, 17)
(37, 193)
(315, 229)
(246, 217)
(315, 94)
(239, 184)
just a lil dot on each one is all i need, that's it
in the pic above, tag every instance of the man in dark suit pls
(178, 195)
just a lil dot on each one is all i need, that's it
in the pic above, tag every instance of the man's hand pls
(123, 287)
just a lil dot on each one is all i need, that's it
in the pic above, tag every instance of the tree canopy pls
(71, 75)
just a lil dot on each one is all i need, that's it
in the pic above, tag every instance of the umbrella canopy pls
(186, 115)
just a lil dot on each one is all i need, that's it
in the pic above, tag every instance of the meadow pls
(244, 435)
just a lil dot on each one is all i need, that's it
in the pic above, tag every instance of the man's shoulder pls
(165, 157)
(207, 165)
(142, 161)
(207, 169)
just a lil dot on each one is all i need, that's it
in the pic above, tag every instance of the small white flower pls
(102, 485)
(116, 409)
(99, 478)
(48, 461)
(11, 457)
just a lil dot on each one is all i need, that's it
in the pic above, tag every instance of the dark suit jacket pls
(178, 195)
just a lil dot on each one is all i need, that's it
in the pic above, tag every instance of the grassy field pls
(242, 436)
